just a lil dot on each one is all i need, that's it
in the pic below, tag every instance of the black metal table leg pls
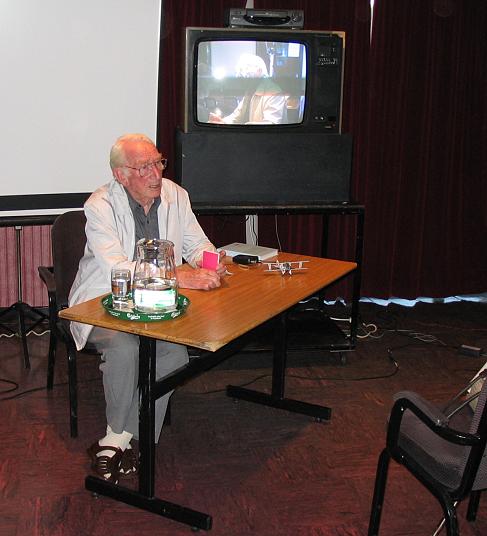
(147, 376)
(151, 504)
(144, 498)
(357, 279)
(276, 399)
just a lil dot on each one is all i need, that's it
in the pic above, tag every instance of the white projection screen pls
(74, 76)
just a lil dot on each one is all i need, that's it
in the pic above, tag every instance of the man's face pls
(251, 71)
(142, 189)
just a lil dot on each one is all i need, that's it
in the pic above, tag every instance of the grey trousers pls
(120, 367)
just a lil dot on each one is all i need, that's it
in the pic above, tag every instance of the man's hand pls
(198, 278)
(221, 269)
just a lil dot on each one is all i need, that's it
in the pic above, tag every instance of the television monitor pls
(263, 79)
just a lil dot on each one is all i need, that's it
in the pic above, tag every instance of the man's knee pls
(110, 342)
(171, 355)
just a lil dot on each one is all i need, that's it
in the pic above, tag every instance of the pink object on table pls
(210, 260)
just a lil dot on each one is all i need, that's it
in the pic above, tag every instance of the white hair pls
(251, 63)
(117, 152)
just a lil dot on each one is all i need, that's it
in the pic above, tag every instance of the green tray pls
(138, 316)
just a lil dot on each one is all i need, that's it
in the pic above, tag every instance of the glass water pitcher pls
(155, 285)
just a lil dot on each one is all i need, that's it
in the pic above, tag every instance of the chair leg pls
(473, 505)
(73, 390)
(23, 336)
(450, 513)
(441, 524)
(379, 491)
(51, 360)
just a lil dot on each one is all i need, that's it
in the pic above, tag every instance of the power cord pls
(34, 389)
(18, 395)
(352, 379)
(14, 387)
(370, 330)
(37, 334)
(374, 331)
(213, 391)
(30, 332)
(319, 378)
(276, 226)
(252, 228)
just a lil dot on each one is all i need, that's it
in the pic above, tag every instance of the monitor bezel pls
(196, 35)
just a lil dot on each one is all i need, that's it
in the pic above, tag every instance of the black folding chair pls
(68, 242)
(443, 448)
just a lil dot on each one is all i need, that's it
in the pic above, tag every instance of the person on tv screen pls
(262, 103)
(137, 203)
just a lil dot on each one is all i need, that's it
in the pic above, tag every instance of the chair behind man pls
(68, 240)
(443, 448)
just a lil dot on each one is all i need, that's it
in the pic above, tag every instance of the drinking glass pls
(121, 279)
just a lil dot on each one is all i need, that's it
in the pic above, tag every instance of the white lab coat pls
(110, 234)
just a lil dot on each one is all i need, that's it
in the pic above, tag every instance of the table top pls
(248, 297)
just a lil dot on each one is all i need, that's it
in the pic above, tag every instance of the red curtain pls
(423, 173)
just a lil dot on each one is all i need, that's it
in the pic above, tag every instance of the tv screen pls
(250, 82)
(263, 79)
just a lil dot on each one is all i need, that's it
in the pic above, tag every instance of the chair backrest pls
(68, 239)
(473, 466)
(479, 426)
(455, 467)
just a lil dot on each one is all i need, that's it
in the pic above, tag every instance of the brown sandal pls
(129, 464)
(105, 465)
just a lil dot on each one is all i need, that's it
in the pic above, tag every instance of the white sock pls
(122, 441)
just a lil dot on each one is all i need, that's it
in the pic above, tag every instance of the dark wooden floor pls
(256, 470)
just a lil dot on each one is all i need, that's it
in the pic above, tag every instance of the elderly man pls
(137, 203)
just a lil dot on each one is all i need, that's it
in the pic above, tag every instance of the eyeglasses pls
(146, 168)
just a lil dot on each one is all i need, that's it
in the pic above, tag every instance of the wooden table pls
(215, 321)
